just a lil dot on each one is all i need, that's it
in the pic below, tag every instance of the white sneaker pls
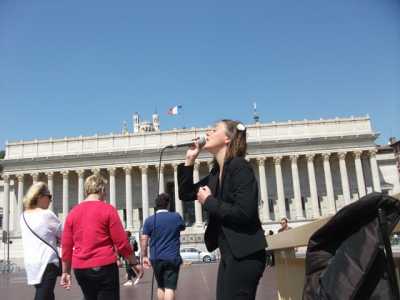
(136, 281)
(128, 283)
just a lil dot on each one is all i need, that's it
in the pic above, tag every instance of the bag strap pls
(35, 234)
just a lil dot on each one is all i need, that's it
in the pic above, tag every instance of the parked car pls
(195, 255)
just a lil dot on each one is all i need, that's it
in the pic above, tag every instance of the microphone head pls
(201, 141)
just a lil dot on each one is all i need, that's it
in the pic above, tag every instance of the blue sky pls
(70, 68)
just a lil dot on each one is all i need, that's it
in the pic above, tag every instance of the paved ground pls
(196, 282)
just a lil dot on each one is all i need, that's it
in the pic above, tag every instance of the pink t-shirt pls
(92, 235)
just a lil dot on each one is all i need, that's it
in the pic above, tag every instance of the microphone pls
(201, 141)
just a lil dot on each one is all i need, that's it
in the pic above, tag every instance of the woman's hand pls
(119, 263)
(203, 193)
(192, 153)
(65, 281)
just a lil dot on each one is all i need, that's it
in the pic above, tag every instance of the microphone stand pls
(155, 215)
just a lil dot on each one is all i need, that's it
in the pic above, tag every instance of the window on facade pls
(170, 190)
(124, 215)
(205, 214)
(188, 212)
(287, 206)
(303, 203)
(271, 205)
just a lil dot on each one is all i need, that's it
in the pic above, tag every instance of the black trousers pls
(238, 278)
(45, 289)
(100, 283)
(131, 274)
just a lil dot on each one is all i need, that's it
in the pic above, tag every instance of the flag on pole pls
(174, 110)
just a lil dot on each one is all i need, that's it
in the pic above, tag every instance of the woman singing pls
(230, 196)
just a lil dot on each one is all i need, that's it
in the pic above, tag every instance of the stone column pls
(50, 185)
(6, 203)
(14, 215)
(128, 191)
(279, 187)
(178, 202)
(344, 177)
(20, 182)
(96, 171)
(313, 185)
(35, 177)
(65, 207)
(113, 200)
(197, 206)
(376, 182)
(136, 219)
(81, 195)
(162, 183)
(329, 184)
(359, 173)
(145, 193)
(264, 212)
(296, 187)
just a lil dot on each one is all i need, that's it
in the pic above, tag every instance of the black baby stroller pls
(350, 257)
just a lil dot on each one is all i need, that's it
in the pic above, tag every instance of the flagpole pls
(183, 118)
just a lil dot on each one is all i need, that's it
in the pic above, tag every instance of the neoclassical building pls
(305, 169)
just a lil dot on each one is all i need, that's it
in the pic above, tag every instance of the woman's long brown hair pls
(238, 144)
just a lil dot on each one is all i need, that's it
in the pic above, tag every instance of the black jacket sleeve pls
(242, 205)
(187, 189)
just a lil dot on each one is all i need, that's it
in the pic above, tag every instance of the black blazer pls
(233, 208)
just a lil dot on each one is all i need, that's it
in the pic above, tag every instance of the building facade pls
(305, 169)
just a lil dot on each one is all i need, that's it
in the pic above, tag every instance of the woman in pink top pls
(92, 235)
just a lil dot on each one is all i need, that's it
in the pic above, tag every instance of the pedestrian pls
(284, 225)
(163, 231)
(230, 196)
(92, 233)
(41, 232)
(130, 274)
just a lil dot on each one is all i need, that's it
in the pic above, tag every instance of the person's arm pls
(144, 244)
(56, 225)
(244, 192)
(66, 246)
(65, 280)
(187, 189)
(144, 241)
